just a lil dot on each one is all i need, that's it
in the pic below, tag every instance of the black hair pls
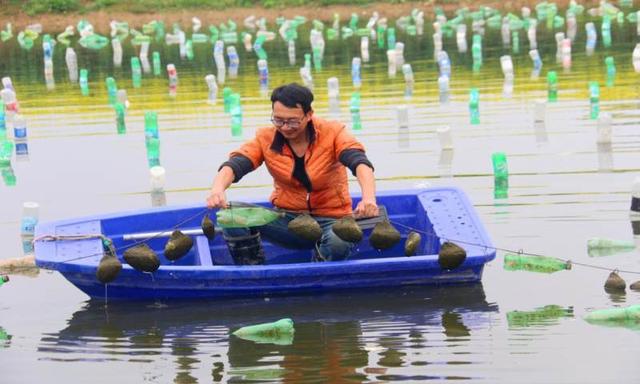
(293, 95)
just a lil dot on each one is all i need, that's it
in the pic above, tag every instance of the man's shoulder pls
(265, 133)
(321, 124)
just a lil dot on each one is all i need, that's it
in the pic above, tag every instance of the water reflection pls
(540, 128)
(444, 163)
(404, 137)
(347, 337)
(605, 157)
(544, 316)
(158, 198)
(5, 338)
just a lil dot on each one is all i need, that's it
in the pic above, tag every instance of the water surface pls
(564, 189)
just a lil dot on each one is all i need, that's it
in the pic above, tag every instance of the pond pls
(564, 188)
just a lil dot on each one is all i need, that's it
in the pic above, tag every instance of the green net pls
(246, 216)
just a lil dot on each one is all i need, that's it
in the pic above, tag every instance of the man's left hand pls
(366, 208)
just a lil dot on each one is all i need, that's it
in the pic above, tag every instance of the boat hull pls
(440, 214)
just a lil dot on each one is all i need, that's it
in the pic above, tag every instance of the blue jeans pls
(330, 247)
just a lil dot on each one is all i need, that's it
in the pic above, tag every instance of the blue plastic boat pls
(440, 214)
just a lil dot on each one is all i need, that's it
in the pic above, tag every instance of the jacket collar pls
(279, 141)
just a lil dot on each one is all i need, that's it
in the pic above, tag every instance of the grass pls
(34, 7)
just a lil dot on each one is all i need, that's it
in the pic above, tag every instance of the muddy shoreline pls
(101, 19)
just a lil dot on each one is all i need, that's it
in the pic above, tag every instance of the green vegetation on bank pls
(33, 7)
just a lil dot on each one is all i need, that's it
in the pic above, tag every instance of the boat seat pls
(203, 251)
(371, 222)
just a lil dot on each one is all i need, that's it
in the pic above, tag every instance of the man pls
(306, 156)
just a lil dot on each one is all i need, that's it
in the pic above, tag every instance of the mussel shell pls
(384, 235)
(306, 227)
(412, 243)
(451, 256)
(142, 258)
(614, 283)
(347, 229)
(635, 286)
(208, 228)
(178, 245)
(108, 269)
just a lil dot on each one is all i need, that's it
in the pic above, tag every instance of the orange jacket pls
(330, 190)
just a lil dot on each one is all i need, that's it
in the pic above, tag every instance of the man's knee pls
(334, 248)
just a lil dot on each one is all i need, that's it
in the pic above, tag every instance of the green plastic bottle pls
(356, 121)
(136, 72)
(354, 103)
(226, 97)
(598, 246)
(594, 98)
(6, 152)
(500, 175)
(189, 49)
(120, 113)
(631, 314)
(280, 333)
(353, 22)
(245, 217)
(157, 65)
(8, 176)
(606, 31)
(474, 106)
(476, 52)
(542, 264)
(153, 151)
(515, 42)
(3, 279)
(391, 38)
(380, 31)
(317, 58)
(151, 124)
(282, 326)
(235, 109)
(112, 89)
(552, 86)
(84, 82)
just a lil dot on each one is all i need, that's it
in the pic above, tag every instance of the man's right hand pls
(216, 199)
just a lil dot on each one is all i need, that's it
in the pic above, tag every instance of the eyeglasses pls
(292, 123)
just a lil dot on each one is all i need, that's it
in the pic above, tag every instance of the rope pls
(125, 247)
(176, 226)
(520, 251)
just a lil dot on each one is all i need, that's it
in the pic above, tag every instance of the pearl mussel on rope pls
(142, 258)
(109, 267)
(306, 227)
(177, 246)
(614, 283)
(208, 228)
(384, 235)
(451, 255)
(411, 243)
(347, 229)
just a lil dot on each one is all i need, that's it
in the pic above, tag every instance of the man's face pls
(290, 122)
